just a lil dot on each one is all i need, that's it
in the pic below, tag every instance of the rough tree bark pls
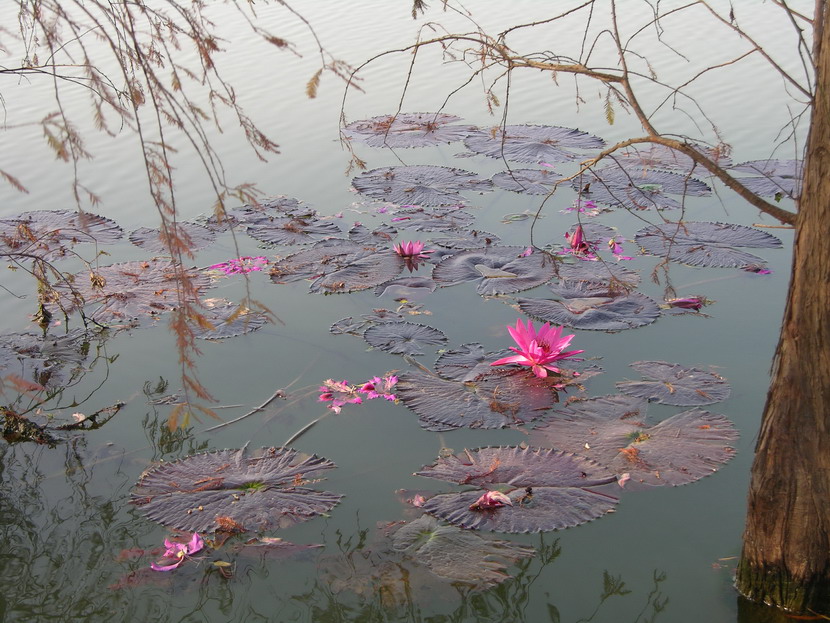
(786, 552)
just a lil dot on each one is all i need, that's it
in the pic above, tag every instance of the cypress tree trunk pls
(786, 551)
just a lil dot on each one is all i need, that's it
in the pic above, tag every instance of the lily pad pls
(201, 492)
(422, 185)
(456, 554)
(471, 239)
(408, 130)
(495, 270)
(532, 143)
(379, 237)
(292, 230)
(772, 177)
(433, 219)
(548, 489)
(355, 326)
(51, 234)
(409, 288)
(653, 156)
(637, 190)
(497, 399)
(228, 320)
(47, 362)
(132, 289)
(527, 181)
(673, 384)
(403, 338)
(192, 237)
(599, 272)
(467, 362)
(611, 312)
(249, 214)
(705, 244)
(613, 431)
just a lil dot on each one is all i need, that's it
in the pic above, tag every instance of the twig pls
(280, 393)
(297, 435)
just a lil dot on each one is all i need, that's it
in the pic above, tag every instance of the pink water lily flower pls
(412, 250)
(579, 246)
(538, 349)
(338, 393)
(491, 499)
(175, 553)
(378, 387)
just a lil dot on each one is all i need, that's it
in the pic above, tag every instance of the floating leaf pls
(495, 270)
(498, 399)
(47, 362)
(381, 236)
(50, 234)
(409, 288)
(408, 130)
(527, 181)
(291, 230)
(549, 489)
(274, 207)
(257, 493)
(637, 190)
(467, 362)
(705, 244)
(673, 384)
(419, 184)
(228, 320)
(133, 289)
(653, 156)
(532, 143)
(186, 237)
(613, 431)
(472, 239)
(456, 554)
(433, 219)
(403, 338)
(774, 177)
(599, 272)
(357, 327)
(609, 311)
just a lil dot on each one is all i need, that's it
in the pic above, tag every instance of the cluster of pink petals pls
(615, 245)
(412, 250)
(579, 246)
(538, 349)
(175, 553)
(689, 302)
(242, 265)
(339, 393)
(491, 499)
(587, 207)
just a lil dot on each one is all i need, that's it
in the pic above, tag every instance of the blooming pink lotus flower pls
(491, 499)
(412, 250)
(538, 349)
(175, 553)
(579, 246)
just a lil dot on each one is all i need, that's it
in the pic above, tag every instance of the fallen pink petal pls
(691, 302)
(175, 552)
(491, 499)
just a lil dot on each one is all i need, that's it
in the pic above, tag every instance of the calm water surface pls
(71, 544)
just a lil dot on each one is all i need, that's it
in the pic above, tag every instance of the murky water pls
(74, 548)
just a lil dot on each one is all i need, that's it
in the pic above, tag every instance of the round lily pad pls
(192, 236)
(653, 156)
(228, 320)
(497, 399)
(599, 272)
(639, 189)
(705, 244)
(292, 230)
(403, 338)
(772, 177)
(532, 143)
(471, 239)
(527, 181)
(249, 214)
(419, 184)
(548, 489)
(467, 362)
(51, 234)
(613, 430)
(673, 384)
(612, 312)
(433, 219)
(495, 270)
(408, 130)
(202, 492)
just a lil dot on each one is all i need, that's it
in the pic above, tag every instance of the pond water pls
(73, 546)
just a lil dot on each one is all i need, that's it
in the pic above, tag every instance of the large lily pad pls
(203, 492)
(527, 181)
(381, 236)
(772, 177)
(497, 399)
(548, 489)
(470, 239)
(133, 289)
(433, 219)
(613, 431)
(532, 143)
(599, 272)
(705, 244)
(653, 156)
(419, 184)
(409, 288)
(639, 189)
(184, 236)
(403, 338)
(673, 384)
(609, 310)
(47, 362)
(467, 362)
(408, 130)
(456, 554)
(495, 270)
(229, 319)
(292, 230)
(249, 214)
(51, 234)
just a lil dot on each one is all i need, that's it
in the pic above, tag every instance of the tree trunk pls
(786, 551)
